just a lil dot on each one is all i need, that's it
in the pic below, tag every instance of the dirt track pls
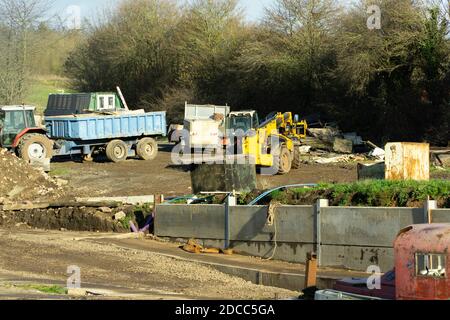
(135, 177)
(124, 273)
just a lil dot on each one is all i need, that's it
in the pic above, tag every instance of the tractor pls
(20, 134)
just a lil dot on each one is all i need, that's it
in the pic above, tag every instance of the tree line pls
(387, 82)
(33, 43)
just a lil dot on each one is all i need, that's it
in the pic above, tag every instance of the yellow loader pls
(273, 144)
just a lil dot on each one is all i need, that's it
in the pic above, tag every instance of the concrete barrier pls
(440, 215)
(349, 237)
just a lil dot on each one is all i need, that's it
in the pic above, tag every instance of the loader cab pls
(243, 120)
(13, 120)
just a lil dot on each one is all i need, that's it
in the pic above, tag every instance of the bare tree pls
(18, 20)
(303, 29)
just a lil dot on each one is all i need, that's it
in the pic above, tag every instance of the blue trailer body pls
(89, 128)
(82, 134)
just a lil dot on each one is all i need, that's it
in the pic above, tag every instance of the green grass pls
(373, 193)
(49, 289)
(125, 222)
(440, 170)
(60, 172)
(40, 89)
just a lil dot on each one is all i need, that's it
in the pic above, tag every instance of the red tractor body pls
(422, 255)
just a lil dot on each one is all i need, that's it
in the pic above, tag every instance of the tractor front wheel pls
(285, 164)
(35, 146)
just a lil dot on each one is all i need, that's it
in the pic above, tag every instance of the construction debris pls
(339, 159)
(343, 146)
(120, 216)
(441, 158)
(105, 209)
(194, 247)
(378, 153)
(372, 171)
(330, 145)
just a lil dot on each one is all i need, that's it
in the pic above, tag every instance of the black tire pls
(283, 161)
(117, 151)
(35, 146)
(296, 161)
(147, 149)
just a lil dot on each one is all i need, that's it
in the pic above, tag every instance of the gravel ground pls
(45, 255)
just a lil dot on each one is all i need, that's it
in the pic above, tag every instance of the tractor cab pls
(423, 262)
(14, 120)
(20, 135)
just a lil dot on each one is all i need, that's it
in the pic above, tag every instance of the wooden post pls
(311, 270)
(158, 199)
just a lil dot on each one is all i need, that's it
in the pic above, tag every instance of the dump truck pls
(20, 134)
(274, 143)
(88, 123)
(422, 269)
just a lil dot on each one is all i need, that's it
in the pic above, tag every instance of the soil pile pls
(19, 181)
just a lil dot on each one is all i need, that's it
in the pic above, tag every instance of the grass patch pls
(440, 170)
(40, 89)
(125, 222)
(60, 172)
(371, 193)
(49, 289)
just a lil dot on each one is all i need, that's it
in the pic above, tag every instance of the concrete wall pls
(441, 215)
(359, 237)
(354, 238)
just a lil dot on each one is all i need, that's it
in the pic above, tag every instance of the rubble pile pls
(330, 145)
(19, 181)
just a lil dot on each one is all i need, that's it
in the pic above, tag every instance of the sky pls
(254, 9)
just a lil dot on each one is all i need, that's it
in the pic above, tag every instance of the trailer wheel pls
(147, 149)
(35, 146)
(117, 151)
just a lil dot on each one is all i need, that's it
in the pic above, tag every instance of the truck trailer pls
(101, 122)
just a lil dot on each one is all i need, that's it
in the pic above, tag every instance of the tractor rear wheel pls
(117, 151)
(35, 146)
(147, 149)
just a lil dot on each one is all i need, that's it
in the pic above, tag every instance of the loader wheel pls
(147, 149)
(117, 151)
(296, 161)
(35, 146)
(284, 161)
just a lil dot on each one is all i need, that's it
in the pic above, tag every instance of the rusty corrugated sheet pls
(408, 161)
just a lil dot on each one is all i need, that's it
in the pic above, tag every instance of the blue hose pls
(265, 194)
